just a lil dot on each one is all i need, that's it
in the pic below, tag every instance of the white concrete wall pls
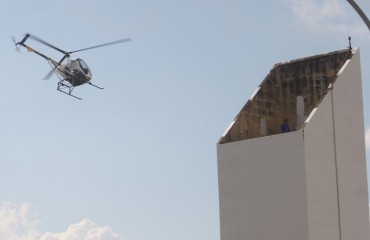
(335, 161)
(338, 205)
(263, 188)
(350, 149)
(322, 198)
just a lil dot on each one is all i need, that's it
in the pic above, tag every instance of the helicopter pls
(71, 72)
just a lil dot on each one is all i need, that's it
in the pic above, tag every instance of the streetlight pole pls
(360, 12)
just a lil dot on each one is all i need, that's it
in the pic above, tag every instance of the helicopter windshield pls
(84, 67)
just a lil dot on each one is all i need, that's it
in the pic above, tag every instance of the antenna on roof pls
(349, 40)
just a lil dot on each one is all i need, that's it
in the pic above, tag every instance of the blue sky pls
(137, 160)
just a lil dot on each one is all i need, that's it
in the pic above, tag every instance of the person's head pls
(285, 120)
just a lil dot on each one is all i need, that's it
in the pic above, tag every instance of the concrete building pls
(309, 183)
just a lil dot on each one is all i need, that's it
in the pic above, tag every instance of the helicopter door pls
(85, 69)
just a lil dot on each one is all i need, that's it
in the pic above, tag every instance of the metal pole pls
(360, 12)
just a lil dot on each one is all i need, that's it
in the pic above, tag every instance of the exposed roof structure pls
(290, 91)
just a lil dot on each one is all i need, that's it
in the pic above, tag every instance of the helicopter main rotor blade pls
(48, 76)
(47, 44)
(103, 45)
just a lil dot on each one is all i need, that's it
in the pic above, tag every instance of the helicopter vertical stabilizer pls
(24, 39)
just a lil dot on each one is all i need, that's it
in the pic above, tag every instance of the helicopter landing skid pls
(94, 85)
(62, 85)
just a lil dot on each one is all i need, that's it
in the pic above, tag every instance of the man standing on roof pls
(285, 127)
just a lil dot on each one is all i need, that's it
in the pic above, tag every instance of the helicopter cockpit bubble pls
(85, 69)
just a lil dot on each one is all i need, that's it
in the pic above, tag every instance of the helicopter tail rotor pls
(17, 47)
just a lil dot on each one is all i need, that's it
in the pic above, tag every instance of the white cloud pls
(15, 223)
(84, 230)
(18, 223)
(327, 15)
(367, 139)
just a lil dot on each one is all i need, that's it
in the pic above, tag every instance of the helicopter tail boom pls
(30, 49)
(50, 60)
